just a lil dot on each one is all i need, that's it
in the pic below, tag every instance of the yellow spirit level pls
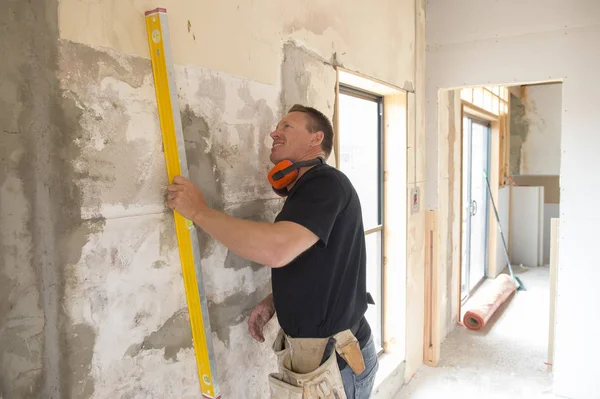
(187, 238)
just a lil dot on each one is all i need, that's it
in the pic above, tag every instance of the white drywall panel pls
(555, 51)
(526, 212)
(550, 211)
(503, 206)
(460, 21)
(540, 151)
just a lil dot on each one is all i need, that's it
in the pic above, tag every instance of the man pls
(315, 247)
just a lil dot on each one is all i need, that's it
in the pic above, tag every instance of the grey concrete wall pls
(39, 212)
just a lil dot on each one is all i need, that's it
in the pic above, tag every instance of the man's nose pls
(274, 134)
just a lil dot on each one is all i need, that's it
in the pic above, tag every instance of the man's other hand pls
(260, 316)
(185, 198)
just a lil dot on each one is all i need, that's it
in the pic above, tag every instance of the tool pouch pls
(325, 381)
(348, 348)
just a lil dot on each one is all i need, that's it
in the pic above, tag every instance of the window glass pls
(360, 133)
(359, 153)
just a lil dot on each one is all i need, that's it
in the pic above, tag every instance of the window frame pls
(380, 228)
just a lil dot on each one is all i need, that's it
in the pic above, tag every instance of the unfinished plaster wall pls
(127, 284)
(245, 37)
(535, 130)
(90, 257)
(558, 44)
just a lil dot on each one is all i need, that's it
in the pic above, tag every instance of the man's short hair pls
(317, 121)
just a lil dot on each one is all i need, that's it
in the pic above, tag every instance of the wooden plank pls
(394, 218)
(411, 139)
(503, 151)
(415, 294)
(431, 344)
(460, 217)
(493, 175)
(427, 325)
(553, 278)
(478, 112)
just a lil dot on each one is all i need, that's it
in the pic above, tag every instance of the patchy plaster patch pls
(234, 136)
(202, 158)
(21, 314)
(172, 336)
(307, 79)
(80, 349)
(121, 167)
(234, 309)
(258, 360)
(519, 127)
(116, 291)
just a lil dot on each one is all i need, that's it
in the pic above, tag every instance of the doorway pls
(475, 171)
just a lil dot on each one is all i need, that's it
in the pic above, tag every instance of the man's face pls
(291, 138)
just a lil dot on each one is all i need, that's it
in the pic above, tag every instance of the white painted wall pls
(540, 152)
(510, 42)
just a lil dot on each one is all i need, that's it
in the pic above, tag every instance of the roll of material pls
(486, 302)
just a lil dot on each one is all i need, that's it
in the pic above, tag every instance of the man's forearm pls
(269, 301)
(255, 241)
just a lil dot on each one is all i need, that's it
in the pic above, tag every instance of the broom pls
(518, 282)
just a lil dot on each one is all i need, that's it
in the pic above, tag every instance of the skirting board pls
(431, 346)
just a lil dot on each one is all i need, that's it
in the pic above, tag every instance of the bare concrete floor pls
(505, 360)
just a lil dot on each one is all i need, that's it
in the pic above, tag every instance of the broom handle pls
(498, 220)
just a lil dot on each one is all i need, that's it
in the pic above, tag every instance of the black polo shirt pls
(323, 291)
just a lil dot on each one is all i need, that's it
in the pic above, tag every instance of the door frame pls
(487, 123)
(470, 110)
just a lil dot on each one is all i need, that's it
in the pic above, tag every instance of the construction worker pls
(316, 251)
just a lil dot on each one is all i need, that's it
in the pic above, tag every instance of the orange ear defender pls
(285, 172)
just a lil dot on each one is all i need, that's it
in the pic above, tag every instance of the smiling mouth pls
(275, 145)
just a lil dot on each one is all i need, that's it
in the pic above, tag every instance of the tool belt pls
(308, 367)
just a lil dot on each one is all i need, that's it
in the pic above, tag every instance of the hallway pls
(505, 360)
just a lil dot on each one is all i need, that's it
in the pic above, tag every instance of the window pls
(495, 101)
(361, 159)
(492, 99)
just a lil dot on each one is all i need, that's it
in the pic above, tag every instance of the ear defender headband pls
(285, 172)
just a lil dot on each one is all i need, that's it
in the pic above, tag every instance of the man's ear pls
(317, 138)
